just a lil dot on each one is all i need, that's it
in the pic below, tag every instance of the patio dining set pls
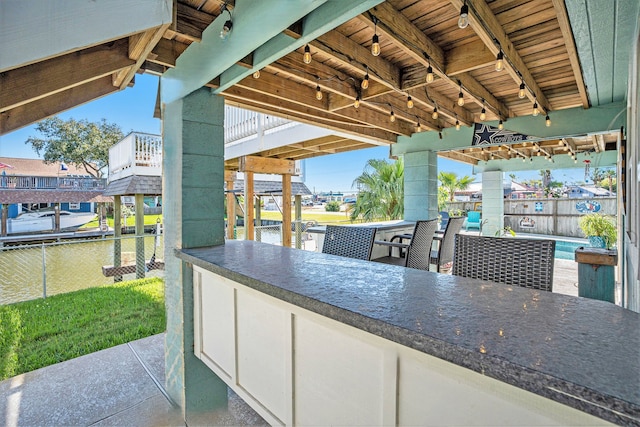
(511, 261)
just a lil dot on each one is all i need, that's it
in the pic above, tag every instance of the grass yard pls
(131, 221)
(38, 333)
(311, 215)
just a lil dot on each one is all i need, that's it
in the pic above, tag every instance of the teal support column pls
(420, 185)
(140, 258)
(492, 202)
(117, 235)
(193, 210)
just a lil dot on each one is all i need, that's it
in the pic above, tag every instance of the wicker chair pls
(418, 250)
(350, 242)
(444, 254)
(517, 262)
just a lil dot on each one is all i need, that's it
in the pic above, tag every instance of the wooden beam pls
(265, 165)
(140, 45)
(26, 114)
(414, 43)
(36, 81)
(248, 206)
(229, 178)
(286, 210)
(567, 34)
(487, 27)
(471, 85)
(192, 22)
(166, 52)
(468, 57)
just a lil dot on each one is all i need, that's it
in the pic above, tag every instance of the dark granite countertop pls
(581, 352)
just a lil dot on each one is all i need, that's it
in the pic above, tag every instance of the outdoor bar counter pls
(574, 352)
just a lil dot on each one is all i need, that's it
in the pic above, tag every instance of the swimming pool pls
(566, 250)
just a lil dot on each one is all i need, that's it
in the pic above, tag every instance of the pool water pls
(566, 250)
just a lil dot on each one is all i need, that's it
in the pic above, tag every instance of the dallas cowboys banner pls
(485, 135)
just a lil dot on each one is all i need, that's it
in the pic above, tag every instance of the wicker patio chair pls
(444, 254)
(418, 250)
(517, 262)
(350, 242)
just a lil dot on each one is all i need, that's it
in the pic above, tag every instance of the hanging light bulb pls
(365, 82)
(392, 117)
(434, 115)
(256, 74)
(457, 124)
(547, 121)
(356, 103)
(226, 29)
(409, 102)
(375, 42)
(306, 56)
(418, 127)
(429, 73)
(536, 111)
(521, 92)
(500, 125)
(460, 98)
(483, 114)
(318, 93)
(463, 20)
(500, 61)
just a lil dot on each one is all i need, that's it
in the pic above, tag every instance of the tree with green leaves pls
(381, 195)
(79, 142)
(450, 182)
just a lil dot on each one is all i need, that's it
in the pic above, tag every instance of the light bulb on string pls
(457, 124)
(409, 102)
(536, 111)
(434, 115)
(365, 81)
(356, 103)
(500, 125)
(547, 121)
(226, 29)
(483, 114)
(256, 74)
(306, 56)
(375, 42)
(463, 20)
(460, 98)
(429, 73)
(500, 61)
(392, 117)
(521, 92)
(318, 93)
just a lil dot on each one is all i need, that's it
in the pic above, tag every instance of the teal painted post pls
(140, 258)
(420, 185)
(193, 210)
(596, 281)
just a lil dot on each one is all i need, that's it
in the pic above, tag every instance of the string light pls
(365, 82)
(500, 125)
(460, 97)
(434, 115)
(429, 73)
(356, 103)
(409, 102)
(306, 56)
(418, 127)
(392, 117)
(536, 111)
(500, 61)
(463, 20)
(375, 42)
(547, 121)
(483, 112)
(256, 74)
(457, 123)
(228, 25)
(521, 92)
(318, 93)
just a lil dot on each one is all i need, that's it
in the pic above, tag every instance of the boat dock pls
(18, 239)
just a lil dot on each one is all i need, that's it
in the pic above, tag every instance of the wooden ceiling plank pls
(36, 81)
(470, 84)
(468, 57)
(26, 114)
(487, 27)
(140, 45)
(166, 52)
(192, 22)
(565, 27)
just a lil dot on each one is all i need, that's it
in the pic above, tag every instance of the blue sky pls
(132, 109)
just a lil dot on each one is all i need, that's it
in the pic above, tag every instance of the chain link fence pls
(272, 234)
(40, 270)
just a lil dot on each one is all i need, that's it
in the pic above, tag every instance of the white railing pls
(240, 124)
(136, 154)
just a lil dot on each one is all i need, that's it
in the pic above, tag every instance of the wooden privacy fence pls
(558, 217)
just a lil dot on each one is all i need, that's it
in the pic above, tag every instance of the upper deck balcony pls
(137, 154)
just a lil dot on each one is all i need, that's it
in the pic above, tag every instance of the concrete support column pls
(420, 185)
(492, 202)
(193, 212)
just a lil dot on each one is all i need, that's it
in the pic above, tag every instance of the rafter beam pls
(488, 29)
(26, 114)
(166, 52)
(140, 45)
(567, 35)
(468, 57)
(32, 82)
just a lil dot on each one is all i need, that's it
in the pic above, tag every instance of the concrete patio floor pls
(119, 386)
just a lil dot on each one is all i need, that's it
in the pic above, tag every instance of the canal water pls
(28, 272)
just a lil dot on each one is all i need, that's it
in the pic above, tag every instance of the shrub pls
(332, 207)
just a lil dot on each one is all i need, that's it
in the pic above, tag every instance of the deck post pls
(117, 235)
(140, 259)
(5, 214)
(420, 185)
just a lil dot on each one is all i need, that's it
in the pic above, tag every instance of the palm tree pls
(381, 193)
(609, 175)
(450, 182)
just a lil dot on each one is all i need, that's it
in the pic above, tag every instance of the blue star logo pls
(483, 133)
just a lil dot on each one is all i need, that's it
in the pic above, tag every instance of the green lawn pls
(38, 333)
(320, 217)
(131, 221)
